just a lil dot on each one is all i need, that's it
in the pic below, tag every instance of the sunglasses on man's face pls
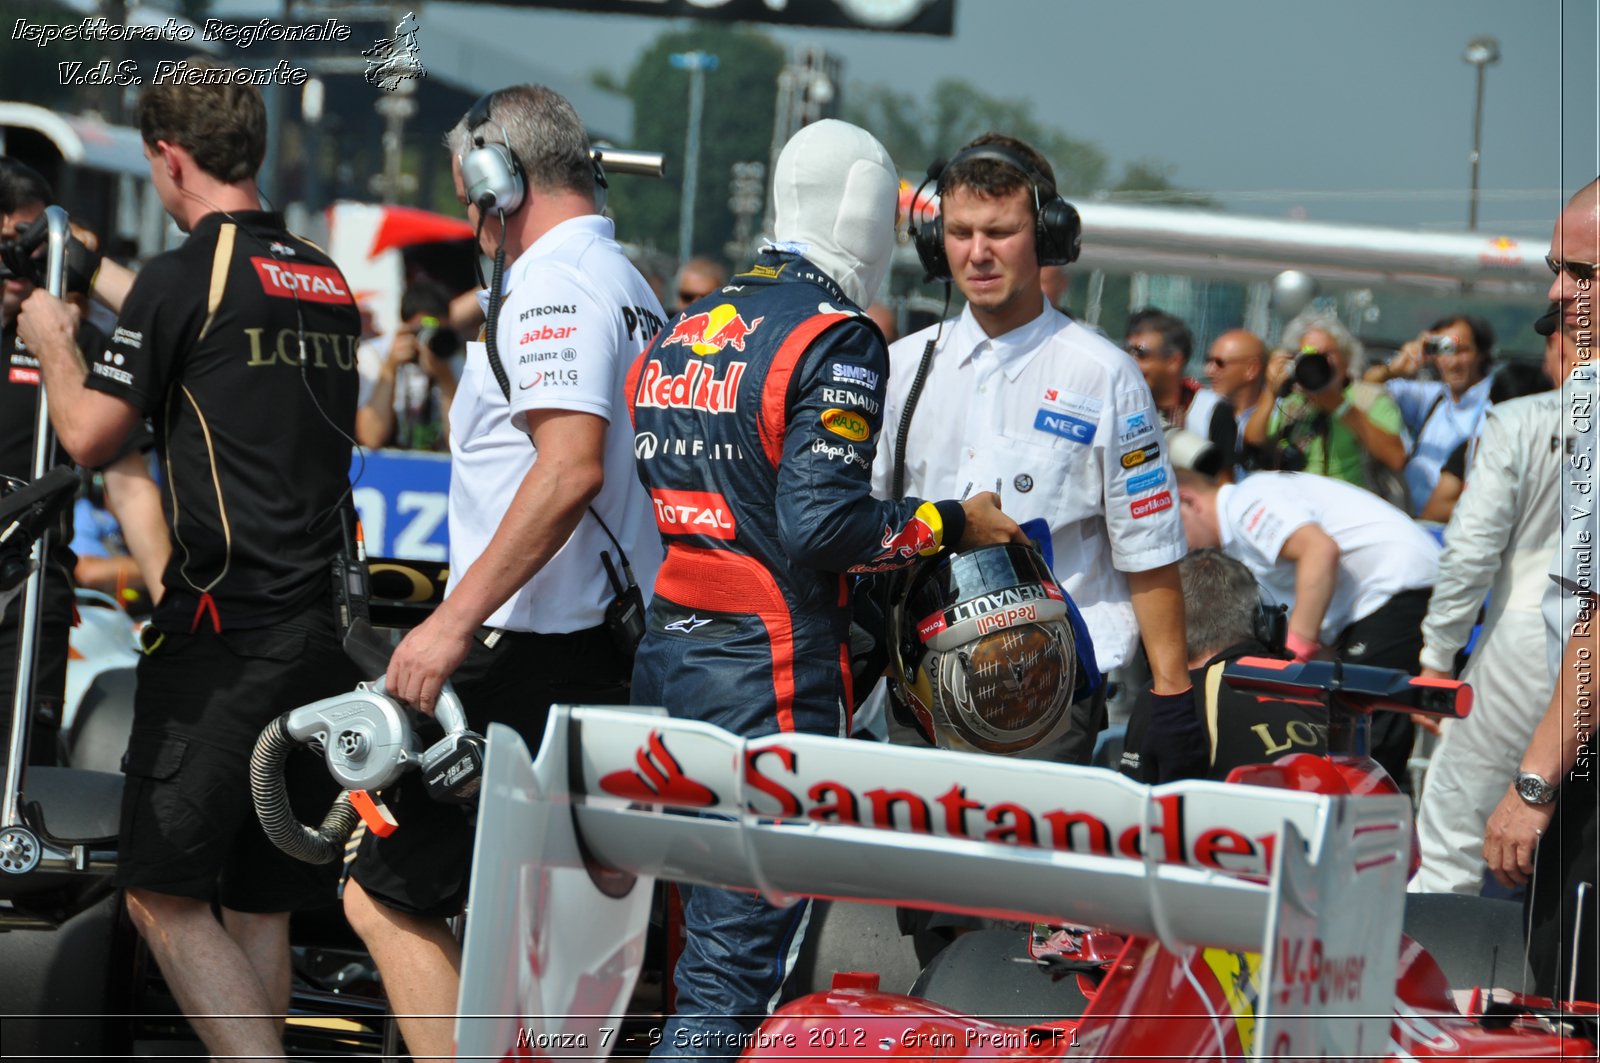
(1578, 271)
(1141, 352)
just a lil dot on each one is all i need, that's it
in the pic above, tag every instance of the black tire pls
(988, 973)
(48, 975)
(845, 936)
(1476, 941)
(100, 731)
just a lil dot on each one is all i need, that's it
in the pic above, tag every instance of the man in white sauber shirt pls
(1499, 541)
(1354, 571)
(523, 619)
(1021, 399)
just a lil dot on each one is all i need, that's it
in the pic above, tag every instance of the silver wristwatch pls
(1532, 788)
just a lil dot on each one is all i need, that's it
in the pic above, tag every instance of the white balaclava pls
(834, 193)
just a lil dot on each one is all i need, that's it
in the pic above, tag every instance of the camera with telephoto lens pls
(1433, 346)
(1313, 371)
(441, 340)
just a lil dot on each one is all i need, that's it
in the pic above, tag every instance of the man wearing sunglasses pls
(1548, 814)
(1161, 344)
(698, 278)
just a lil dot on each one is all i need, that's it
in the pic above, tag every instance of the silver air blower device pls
(368, 742)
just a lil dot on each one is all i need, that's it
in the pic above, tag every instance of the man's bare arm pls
(91, 425)
(112, 284)
(134, 499)
(1316, 571)
(546, 508)
(1158, 606)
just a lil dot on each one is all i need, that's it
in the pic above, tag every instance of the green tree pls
(1144, 181)
(736, 126)
(919, 128)
(29, 72)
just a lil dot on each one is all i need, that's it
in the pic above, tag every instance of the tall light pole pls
(1481, 51)
(696, 63)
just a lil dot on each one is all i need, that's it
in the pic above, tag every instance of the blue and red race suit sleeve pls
(827, 517)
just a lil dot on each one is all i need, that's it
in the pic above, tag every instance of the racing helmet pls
(987, 651)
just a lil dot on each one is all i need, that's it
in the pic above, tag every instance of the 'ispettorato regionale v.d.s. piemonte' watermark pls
(1578, 522)
(390, 61)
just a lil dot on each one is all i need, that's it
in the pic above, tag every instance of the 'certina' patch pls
(1064, 425)
(1135, 458)
(844, 423)
(1144, 507)
(1147, 481)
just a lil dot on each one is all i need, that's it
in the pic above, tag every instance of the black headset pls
(1058, 232)
(490, 172)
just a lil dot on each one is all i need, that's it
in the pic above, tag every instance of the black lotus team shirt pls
(208, 346)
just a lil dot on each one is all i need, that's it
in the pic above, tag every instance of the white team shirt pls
(1061, 421)
(1381, 550)
(575, 316)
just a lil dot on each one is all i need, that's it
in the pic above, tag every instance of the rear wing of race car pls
(568, 847)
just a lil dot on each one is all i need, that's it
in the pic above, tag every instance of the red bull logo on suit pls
(708, 332)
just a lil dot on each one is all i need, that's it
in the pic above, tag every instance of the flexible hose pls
(322, 845)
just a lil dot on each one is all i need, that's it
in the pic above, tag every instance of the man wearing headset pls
(240, 345)
(523, 621)
(1017, 396)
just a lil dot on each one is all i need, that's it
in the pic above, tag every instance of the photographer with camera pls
(410, 402)
(1443, 413)
(1323, 422)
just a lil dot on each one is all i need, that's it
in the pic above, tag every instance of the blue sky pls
(1356, 110)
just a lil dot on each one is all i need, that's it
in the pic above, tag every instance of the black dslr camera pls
(1313, 371)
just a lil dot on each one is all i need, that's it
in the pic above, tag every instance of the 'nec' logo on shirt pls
(1064, 426)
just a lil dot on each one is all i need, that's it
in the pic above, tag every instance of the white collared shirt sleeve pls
(1141, 497)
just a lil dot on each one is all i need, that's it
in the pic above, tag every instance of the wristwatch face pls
(1534, 790)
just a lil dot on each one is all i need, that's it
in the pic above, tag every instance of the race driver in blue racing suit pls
(756, 413)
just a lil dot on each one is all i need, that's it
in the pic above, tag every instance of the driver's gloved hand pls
(1175, 745)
